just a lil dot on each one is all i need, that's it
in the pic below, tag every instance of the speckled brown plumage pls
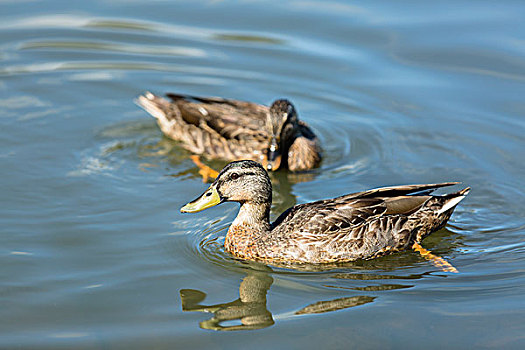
(233, 130)
(361, 225)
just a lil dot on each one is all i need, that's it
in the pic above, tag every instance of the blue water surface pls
(94, 252)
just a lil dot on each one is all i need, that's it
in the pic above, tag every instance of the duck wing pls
(355, 208)
(358, 225)
(328, 216)
(403, 190)
(231, 119)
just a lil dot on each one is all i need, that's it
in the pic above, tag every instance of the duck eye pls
(234, 176)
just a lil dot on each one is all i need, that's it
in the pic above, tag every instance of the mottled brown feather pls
(360, 225)
(228, 129)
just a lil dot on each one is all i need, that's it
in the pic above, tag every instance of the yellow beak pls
(208, 199)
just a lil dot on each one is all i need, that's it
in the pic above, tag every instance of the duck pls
(228, 129)
(361, 225)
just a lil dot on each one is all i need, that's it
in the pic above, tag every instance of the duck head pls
(243, 181)
(282, 123)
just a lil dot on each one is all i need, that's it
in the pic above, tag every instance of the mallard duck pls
(361, 225)
(232, 130)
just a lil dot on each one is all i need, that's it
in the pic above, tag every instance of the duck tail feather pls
(152, 104)
(453, 199)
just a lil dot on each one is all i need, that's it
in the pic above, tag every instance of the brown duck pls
(360, 225)
(232, 130)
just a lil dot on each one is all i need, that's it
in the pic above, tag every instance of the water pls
(95, 253)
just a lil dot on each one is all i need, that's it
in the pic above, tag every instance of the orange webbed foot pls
(434, 259)
(206, 172)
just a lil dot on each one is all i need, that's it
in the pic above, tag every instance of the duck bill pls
(274, 161)
(207, 200)
(274, 156)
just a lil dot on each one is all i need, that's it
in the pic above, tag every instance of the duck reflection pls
(250, 311)
(334, 305)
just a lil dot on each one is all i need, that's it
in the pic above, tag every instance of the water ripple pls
(116, 47)
(128, 66)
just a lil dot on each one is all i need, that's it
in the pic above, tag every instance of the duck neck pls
(250, 225)
(254, 216)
